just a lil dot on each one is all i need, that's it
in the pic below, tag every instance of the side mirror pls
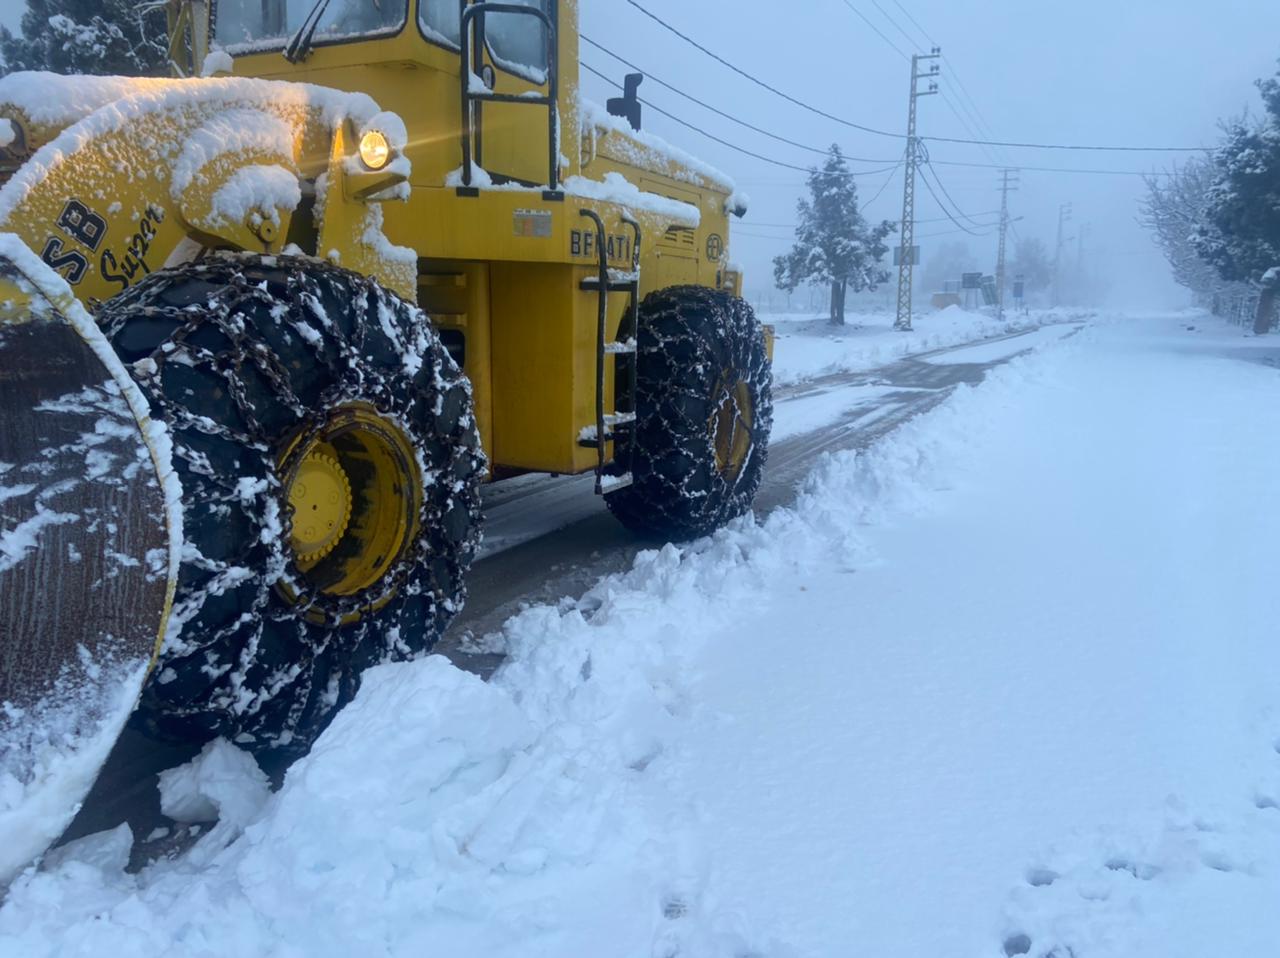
(628, 105)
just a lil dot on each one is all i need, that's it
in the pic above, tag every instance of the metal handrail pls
(601, 324)
(475, 11)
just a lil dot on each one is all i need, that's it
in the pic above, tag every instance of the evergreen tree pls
(100, 37)
(834, 243)
(1241, 234)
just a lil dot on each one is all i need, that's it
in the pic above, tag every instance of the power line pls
(933, 219)
(976, 134)
(719, 112)
(733, 146)
(900, 136)
(967, 101)
(947, 233)
(951, 105)
(885, 185)
(757, 81)
(991, 166)
(942, 186)
(819, 150)
(877, 30)
(815, 149)
(1049, 169)
(964, 90)
(923, 31)
(897, 26)
(942, 206)
(701, 103)
(743, 231)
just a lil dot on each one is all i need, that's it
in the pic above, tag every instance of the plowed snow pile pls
(809, 347)
(1006, 684)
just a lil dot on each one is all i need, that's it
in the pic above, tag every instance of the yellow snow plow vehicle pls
(266, 330)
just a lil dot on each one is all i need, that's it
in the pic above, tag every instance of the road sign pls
(971, 280)
(915, 256)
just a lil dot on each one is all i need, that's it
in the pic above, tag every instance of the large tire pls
(704, 409)
(246, 358)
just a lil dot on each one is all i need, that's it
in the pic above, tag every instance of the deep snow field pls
(1007, 683)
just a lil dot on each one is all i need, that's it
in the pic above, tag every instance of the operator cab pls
(490, 98)
(515, 42)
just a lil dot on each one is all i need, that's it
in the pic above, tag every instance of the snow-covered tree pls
(834, 243)
(1242, 213)
(101, 37)
(1031, 261)
(1174, 211)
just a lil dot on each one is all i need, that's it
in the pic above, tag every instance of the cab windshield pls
(517, 42)
(244, 25)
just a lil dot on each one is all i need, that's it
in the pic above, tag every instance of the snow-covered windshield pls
(517, 42)
(266, 24)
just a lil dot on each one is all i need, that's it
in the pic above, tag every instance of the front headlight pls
(375, 151)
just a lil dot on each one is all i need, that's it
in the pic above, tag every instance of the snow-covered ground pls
(1004, 684)
(808, 346)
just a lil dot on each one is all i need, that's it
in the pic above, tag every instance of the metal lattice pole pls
(1064, 217)
(907, 251)
(1005, 186)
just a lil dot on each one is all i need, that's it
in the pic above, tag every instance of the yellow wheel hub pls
(731, 424)
(320, 495)
(355, 491)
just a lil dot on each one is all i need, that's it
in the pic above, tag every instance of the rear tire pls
(704, 409)
(263, 369)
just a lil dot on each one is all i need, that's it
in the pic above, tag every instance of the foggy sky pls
(1143, 73)
(1090, 71)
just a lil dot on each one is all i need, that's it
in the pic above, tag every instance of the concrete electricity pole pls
(1006, 184)
(1064, 217)
(907, 251)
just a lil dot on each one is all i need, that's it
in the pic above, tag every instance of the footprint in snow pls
(1138, 870)
(1020, 944)
(1041, 877)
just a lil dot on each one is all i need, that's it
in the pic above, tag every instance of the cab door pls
(514, 57)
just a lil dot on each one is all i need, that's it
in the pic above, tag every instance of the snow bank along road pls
(1005, 682)
(547, 537)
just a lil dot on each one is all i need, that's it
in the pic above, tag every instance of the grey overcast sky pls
(1143, 73)
(1089, 71)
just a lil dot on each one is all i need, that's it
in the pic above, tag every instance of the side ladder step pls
(620, 281)
(614, 425)
(610, 484)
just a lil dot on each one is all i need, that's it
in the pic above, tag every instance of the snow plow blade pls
(87, 553)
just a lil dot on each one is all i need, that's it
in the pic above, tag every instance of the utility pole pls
(907, 251)
(1064, 217)
(1005, 186)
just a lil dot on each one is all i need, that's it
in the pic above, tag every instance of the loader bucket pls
(87, 552)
